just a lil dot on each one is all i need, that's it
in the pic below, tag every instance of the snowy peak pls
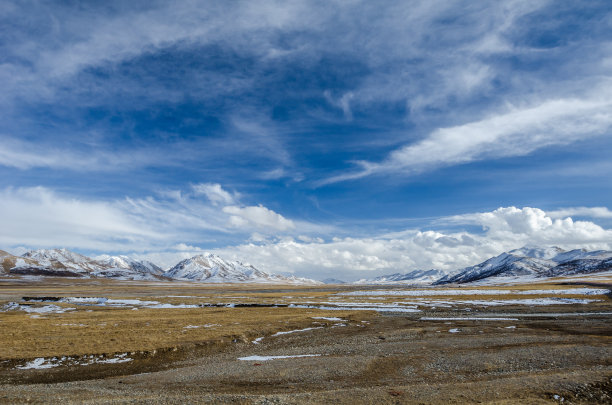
(61, 255)
(537, 252)
(128, 263)
(206, 268)
(332, 280)
(127, 267)
(531, 262)
(63, 260)
(211, 268)
(415, 277)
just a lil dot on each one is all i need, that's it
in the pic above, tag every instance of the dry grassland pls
(177, 355)
(113, 330)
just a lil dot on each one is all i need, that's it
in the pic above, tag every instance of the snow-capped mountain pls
(63, 260)
(534, 263)
(525, 264)
(127, 267)
(64, 263)
(205, 268)
(211, 268)
(9, 261)
(333, 281)
(416, 277)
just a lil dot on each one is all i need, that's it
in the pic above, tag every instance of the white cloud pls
(215, 193)
(516, 132)
(40, 217)
(257, 217)
(25, 155)
(503, 229)
(590, 212)
(343, 103)
(535, 226)
(183, 247)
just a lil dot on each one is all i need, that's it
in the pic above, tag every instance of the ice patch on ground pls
(208, 325)
(85, 360)
(346, 307)
(45, 309)
(295, 331)
(122, 358)
(168, 306)
(467, 318)
(332, 319)
(266, 358)
(39, 363)
(436, 292)
(487, 303)
(259, 339)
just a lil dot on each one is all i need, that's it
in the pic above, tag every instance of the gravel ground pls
(392, 359)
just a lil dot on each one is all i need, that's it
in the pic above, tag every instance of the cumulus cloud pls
(258, 217)
(159, 230)
(214, 192)
(503, 229)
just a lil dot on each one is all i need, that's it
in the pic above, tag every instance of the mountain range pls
(208, 268)
(527, 263)
(211, 268)
(534, 263)
(415, 277)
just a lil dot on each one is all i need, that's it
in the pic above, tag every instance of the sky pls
(344, 139)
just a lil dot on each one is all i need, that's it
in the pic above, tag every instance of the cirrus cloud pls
(515, 132)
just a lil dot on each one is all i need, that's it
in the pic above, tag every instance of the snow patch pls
(208, 325)
(266, 358)
(467, 318)
(295, 331)
(332, 319)
(85, 360)
(39, 363)
(437, 292)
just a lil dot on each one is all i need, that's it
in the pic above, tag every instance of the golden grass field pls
(396, 357)
(102, 329)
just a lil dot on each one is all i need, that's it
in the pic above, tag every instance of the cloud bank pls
(502, 229)
(41, 217)
(170, 227)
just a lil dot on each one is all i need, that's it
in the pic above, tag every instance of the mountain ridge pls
(528, 262)
(207, 268)
(211, 268)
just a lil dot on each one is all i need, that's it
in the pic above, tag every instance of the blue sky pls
(339, 139)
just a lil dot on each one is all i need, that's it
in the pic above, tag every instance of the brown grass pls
(107, 330)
